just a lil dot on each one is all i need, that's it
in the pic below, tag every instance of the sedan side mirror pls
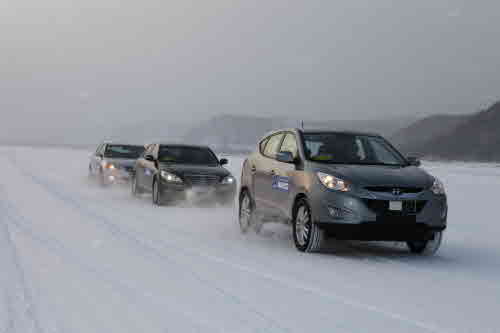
(149, 158)
(223, 161)
(285, 157)
(413, 160)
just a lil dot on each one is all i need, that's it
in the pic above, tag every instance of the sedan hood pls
(377, 175)
(189, 169)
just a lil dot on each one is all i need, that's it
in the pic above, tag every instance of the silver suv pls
(345, 185)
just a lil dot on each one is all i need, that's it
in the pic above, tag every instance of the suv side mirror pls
(223, 161)
(149, 158)
(285, 157)
(413, 160)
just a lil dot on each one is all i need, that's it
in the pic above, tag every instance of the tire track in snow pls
(20, 305)
(148, 251)
(59, 192)
(120, 285)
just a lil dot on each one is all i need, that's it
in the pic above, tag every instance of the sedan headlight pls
(228, 180)
(437, 187)
(170, 177)
(333, 183)
(107, 165)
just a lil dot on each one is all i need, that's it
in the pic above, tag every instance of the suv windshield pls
(123, 151)
(343, 148)
(187, 155)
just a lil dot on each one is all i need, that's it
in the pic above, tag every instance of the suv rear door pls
(284, 172)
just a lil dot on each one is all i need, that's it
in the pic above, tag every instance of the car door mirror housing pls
(223, 161)
(285, 157)
(413, 160)
(149, 158)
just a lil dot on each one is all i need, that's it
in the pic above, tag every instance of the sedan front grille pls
(201, 180)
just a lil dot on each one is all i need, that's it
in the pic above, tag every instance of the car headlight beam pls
(170, 177)
(228, 180)
(333, 183)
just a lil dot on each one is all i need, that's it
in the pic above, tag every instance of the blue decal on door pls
(281, 183)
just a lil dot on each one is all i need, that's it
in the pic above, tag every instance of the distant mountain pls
(241, 133)
(419, 135)
(477, 139)
(474, 137)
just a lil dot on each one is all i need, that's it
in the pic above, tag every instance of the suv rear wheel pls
(246, 216)
(307, 236)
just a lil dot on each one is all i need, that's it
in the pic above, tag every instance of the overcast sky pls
(81, 62)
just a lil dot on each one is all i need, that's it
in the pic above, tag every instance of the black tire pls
(136, 191)
(157, 199)
(246, 214)
(426, 248)
(307, 236)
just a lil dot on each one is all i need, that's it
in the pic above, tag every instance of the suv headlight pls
(170, 177)
(228, 180)
(333, 183)
(437, 187)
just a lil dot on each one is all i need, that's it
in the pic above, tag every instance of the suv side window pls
(98, 149)
(272, 145)
(290, 144)
(262, 145)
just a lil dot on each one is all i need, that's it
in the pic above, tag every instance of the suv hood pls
(378, 175)
(182, 169)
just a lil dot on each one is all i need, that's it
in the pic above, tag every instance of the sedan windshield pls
(187, 155)
(123, 151)
(344, 148)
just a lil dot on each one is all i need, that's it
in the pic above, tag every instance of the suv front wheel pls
(429, 247)
(307, 236)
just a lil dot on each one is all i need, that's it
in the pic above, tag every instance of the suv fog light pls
(340, 213)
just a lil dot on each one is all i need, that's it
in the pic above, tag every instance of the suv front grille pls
(381, 207)
(201, 180)
(391, 189)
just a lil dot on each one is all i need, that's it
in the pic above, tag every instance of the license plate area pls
(396, 206)
(396, 219)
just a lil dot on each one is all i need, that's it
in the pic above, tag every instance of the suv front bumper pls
(370, 217)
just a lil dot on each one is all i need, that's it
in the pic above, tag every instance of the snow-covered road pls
(78, 258)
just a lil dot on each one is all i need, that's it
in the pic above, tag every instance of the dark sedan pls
(173, 173)
(353, 186)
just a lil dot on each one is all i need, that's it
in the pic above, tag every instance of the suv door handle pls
(253, 169)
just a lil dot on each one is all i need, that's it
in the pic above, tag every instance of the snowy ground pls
(78, 258)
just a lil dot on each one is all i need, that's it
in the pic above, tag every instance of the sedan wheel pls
(156, 194)
(307, 236)
(135, 189)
